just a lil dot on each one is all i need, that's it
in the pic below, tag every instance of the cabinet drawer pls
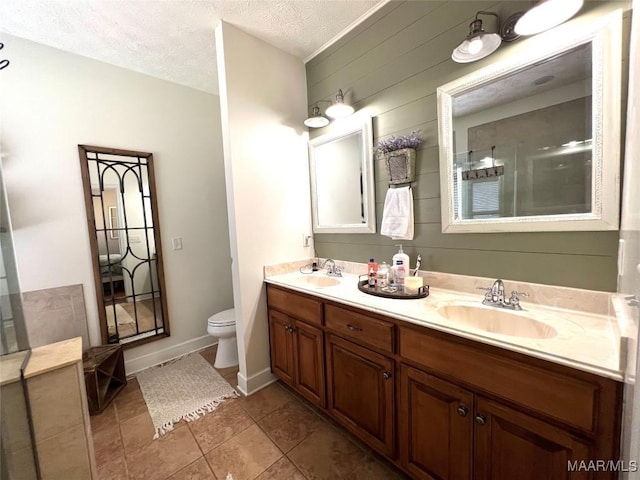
(360, 328)
(571, 400)
(298, 306)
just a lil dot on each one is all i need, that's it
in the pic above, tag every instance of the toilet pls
(223, 326)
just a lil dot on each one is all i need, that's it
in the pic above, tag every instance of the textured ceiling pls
(174, 39)
(564, 69)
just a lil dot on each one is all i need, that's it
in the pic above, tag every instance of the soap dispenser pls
(400, 264)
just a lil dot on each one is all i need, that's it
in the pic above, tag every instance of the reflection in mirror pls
(524, 145)
(539, 133)
(342, 178)
(122, 215)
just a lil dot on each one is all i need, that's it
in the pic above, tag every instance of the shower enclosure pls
(17, 453)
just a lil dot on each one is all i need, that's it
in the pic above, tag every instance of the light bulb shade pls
(316, 120)
(476, 47)
(339, 109)
(547, 14)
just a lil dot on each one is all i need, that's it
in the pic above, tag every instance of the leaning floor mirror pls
(124, 233)
(532, 143)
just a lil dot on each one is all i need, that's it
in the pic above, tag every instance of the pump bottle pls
(400, 265)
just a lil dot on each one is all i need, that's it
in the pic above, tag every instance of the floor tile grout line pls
(227, 440)
(124, 452)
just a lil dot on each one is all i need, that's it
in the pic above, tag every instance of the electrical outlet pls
(177, 243)
(306, 240)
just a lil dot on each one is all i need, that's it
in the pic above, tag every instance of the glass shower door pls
(17, 454)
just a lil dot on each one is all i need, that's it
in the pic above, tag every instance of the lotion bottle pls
(401, 260)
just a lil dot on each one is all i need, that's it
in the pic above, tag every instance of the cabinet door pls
(436, 427)
(309, 357)
(360, 392)
(281, 338)
(512, 444)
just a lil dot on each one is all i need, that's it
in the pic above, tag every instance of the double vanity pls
(446, 387)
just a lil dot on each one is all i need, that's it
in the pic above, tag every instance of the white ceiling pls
(174, 39)
(564, 69)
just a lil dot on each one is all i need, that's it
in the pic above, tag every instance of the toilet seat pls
(213, 323)
(226, 318)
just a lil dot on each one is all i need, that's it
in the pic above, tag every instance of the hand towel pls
(397, 216)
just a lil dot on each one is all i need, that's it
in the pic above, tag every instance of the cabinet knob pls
(463, 410)
(353, 328)
(386, 375)
(481, 419)
(289, 328)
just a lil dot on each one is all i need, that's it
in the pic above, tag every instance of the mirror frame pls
(605, 36)
(83, 150)
(340, 129)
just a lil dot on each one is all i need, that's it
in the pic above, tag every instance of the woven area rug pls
(182, 390)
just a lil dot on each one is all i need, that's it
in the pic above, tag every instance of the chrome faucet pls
(332, 270)
(495, 297)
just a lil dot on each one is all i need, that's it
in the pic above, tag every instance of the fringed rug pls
(182, 390)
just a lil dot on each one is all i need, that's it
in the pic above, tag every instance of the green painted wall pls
(391, 65)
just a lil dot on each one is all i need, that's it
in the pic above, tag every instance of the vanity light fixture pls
(316, 120)
(546, 14)
(339, 108)
(479, 43)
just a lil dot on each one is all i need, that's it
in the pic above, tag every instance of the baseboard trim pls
(137, 364)
(250, 385)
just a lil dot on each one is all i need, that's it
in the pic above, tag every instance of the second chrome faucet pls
(332, 270)
(495, 297)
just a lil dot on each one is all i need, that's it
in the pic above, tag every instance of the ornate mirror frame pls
(140, 249)
(605, 36)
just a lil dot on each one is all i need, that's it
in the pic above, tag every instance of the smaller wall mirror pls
(342, 185)
(532, 143)
(124, 232)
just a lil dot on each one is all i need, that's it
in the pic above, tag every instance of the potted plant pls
(399, 155)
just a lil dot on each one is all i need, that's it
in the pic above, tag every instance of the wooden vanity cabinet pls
(439, 406)
(297, 347)
(361, 375)
(309, 355)
(511, 444)
(282, 348)
(467, 412)
(447, 432)
(360, 388)
(435, 427)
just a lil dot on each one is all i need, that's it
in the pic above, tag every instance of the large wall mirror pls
(122, 215)
(532, 143)
(342, 185)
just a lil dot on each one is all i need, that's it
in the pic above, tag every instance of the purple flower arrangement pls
(394, 143)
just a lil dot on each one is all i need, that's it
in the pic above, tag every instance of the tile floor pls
(271, 435)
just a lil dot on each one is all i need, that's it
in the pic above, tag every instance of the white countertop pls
(586, 341)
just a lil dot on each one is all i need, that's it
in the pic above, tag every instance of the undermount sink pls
(318, 281)
(494, 320)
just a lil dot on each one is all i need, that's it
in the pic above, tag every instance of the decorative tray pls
(390, 292)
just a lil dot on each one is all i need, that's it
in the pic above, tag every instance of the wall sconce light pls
(316, 120)
(546, 14)
(339, 108)
(480, 44)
